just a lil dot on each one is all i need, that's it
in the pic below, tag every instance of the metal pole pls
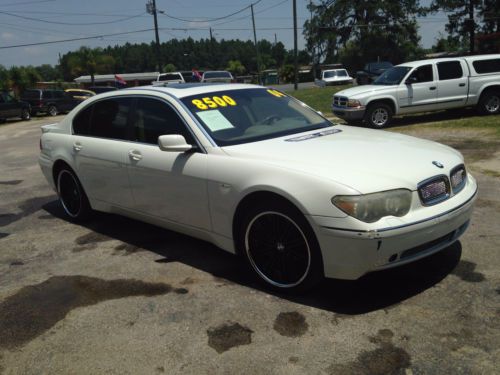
(295, 59)
(472, 27)
(158, 56)
(256, 48)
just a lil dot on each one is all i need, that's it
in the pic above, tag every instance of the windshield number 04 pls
(213, 102)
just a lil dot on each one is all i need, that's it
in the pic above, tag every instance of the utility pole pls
(212, 50)
(472, 27)
(151, 9)
(256, 48)
(295, 57)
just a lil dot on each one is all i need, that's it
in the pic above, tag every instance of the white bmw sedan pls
(260, 174)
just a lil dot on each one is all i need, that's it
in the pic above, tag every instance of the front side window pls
(154, 118)
(240, 116)
(449, 70)
(423, 74)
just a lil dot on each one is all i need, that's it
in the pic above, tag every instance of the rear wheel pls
(25, 114)
(378, 115)
(280, 247)
(71, 195)
(489, 104)
(53, 110)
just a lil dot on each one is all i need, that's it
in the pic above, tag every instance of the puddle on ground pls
(11, 182)
(127, 249)
(17, 263)
(26, 208)
(228, 336)
(3, 235)
(36, 308)
(388, 359)
(291, 324)
(465, 270)
(91, 238)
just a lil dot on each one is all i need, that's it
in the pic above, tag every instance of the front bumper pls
(349, 254)
(349, 113)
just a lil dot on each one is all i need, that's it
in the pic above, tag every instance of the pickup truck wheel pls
(52, 110)
(25, 114)
(378, 115)
(489, 104)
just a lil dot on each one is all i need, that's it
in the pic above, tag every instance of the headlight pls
(353, 103)
(372, 207)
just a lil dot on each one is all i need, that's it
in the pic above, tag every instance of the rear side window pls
(423, 74)
(449, 70)
(31, 94)
(154, 118)
(47, 95)
(487, 66)
(58, 94)
(105, 119)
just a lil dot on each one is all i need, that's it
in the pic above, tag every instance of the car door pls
(453, 84)
(100, 150)
(4, 107)
(168, 185)
(419, 91)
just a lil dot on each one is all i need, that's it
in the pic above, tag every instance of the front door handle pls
(432, 88)
(461, 84)
(77, 146)
(135, 155)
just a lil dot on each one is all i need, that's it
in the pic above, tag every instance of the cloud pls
(6, 36)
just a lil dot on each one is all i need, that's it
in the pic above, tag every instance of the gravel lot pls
(120, 297)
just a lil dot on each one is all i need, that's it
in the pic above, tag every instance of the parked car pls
(172, 77)
(371, 72)
(332, 77)
(217, 76)
(424, 86)
(262, 175)
(48, 101)
(11, 107)
(79, 94)
(101, 89)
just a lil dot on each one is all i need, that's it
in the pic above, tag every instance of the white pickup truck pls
(423, 86)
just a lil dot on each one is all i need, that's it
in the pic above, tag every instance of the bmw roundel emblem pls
(438, 164)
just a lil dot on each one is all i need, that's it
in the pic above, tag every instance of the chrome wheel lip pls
(379, 117)
(53, 111)
(256, 268)
(493, 104)
(66, 209)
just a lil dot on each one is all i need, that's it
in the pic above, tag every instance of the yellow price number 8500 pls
(276, 93)
(213, 102)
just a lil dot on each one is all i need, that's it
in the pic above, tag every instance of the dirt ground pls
(116, 296)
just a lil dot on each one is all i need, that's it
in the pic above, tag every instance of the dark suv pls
(51, 102)
(11, 107)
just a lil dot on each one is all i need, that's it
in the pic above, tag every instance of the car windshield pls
(240, 116)
(380, 66)
(393, 76)
(217, 75)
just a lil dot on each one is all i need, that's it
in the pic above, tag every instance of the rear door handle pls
(77, 146)
(432, 88)
(461, 84)
(135, 155)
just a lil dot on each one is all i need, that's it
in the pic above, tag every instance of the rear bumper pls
(349, 113)
(349, 254)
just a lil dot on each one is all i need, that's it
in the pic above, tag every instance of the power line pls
(260, 11)
(71, 23)
(27, 2)
(209, 19)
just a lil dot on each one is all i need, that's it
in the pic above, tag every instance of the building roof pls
(148, 76)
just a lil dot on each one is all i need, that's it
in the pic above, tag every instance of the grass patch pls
(319, 98)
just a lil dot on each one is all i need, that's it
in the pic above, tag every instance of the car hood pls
(363, 90)
(362, 159)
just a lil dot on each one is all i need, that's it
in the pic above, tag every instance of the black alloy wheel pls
(71, 195)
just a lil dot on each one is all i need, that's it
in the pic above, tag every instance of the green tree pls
(235, 67)
(169, 68)
(88, 61)
(385, 29)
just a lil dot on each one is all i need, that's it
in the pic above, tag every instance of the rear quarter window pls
(81, 122)
(487, 66)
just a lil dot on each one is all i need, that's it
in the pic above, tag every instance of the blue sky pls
(65, 19)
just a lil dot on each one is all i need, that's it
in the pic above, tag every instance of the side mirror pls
(173, 143)
(411, 80)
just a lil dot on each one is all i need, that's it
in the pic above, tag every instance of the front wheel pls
(489, 104)
(378, 115)
(72, 196)
(280, 247)
(25, 114)
(53, 110)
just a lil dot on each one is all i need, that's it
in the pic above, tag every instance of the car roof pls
(182, 90)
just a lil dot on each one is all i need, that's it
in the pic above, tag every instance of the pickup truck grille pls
(340, 101)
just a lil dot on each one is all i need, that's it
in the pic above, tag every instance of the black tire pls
(25, 114)
(72, 196)
(52, 110)
(378, 115)
(489, 103)
(280, 247)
